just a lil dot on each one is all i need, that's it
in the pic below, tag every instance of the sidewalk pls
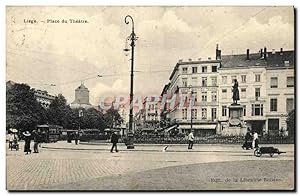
(161, 147)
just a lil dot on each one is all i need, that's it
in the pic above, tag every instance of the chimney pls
(261, 53)
(265, 53)
(281, 51)
(218, 53)
(248, 54)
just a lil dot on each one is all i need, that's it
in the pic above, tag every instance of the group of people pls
(36, 136)
(251, 140)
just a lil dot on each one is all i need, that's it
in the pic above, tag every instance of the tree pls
(92, 119)
(59, 112)
(23, 112)
(291, 123)
(113, 118)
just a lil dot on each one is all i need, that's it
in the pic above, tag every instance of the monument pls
(235, 124)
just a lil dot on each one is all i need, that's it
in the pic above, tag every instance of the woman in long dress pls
(27, 142)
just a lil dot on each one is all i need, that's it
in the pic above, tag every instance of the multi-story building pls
(280, 91)
(43, 98)
(197, 79)
(148, 118)
(262, 99)
(249, 70)
(266, 87)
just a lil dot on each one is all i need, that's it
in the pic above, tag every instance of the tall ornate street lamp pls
(132, 38)
(191, 105)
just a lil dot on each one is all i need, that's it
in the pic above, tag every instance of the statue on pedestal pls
(235, 92)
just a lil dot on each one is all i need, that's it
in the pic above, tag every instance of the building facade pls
(43, 98)
(148, 118)
(195, 81)
(266, 90)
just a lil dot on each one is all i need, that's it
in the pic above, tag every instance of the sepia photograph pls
(150, 98)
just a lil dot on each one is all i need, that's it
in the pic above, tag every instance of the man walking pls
(191, 139)
(114, 141)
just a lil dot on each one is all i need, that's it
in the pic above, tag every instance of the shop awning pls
(204, 126)
(170, 128)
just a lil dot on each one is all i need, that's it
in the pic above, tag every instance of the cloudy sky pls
(44, 53)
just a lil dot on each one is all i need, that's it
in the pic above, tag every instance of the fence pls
(212, 140)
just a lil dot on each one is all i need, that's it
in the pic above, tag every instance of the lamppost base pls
(129, 142)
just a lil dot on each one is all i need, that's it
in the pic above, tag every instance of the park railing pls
(212, 140)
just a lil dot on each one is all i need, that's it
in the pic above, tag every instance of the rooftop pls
(82, 87)
(273, 59)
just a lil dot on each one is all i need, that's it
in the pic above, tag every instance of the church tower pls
(82, 97)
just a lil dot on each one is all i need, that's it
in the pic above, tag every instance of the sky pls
(66, 54)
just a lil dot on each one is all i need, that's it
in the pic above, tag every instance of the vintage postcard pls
(155, 98)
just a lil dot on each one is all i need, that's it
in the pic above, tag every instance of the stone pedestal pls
(235, 124)
(235, 115)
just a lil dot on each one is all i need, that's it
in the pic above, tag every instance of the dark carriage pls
(267, 150)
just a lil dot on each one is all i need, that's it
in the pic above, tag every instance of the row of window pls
(274, 104)
(203, 81)
(273, 101)
(257, 110)
(204, 96)
(203, 69)
(203, 114)
(273, 80)
(243, 79)
(224, 94)
(289, 82)
(243, 93)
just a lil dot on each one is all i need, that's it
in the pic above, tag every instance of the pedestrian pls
(114, 140)
(27, 139)
(76, 137)
(37, 140)
(248, 140)
(10, 139)
(191, 140)
(255, 140)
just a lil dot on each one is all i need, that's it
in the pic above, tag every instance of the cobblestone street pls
(64, 166)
